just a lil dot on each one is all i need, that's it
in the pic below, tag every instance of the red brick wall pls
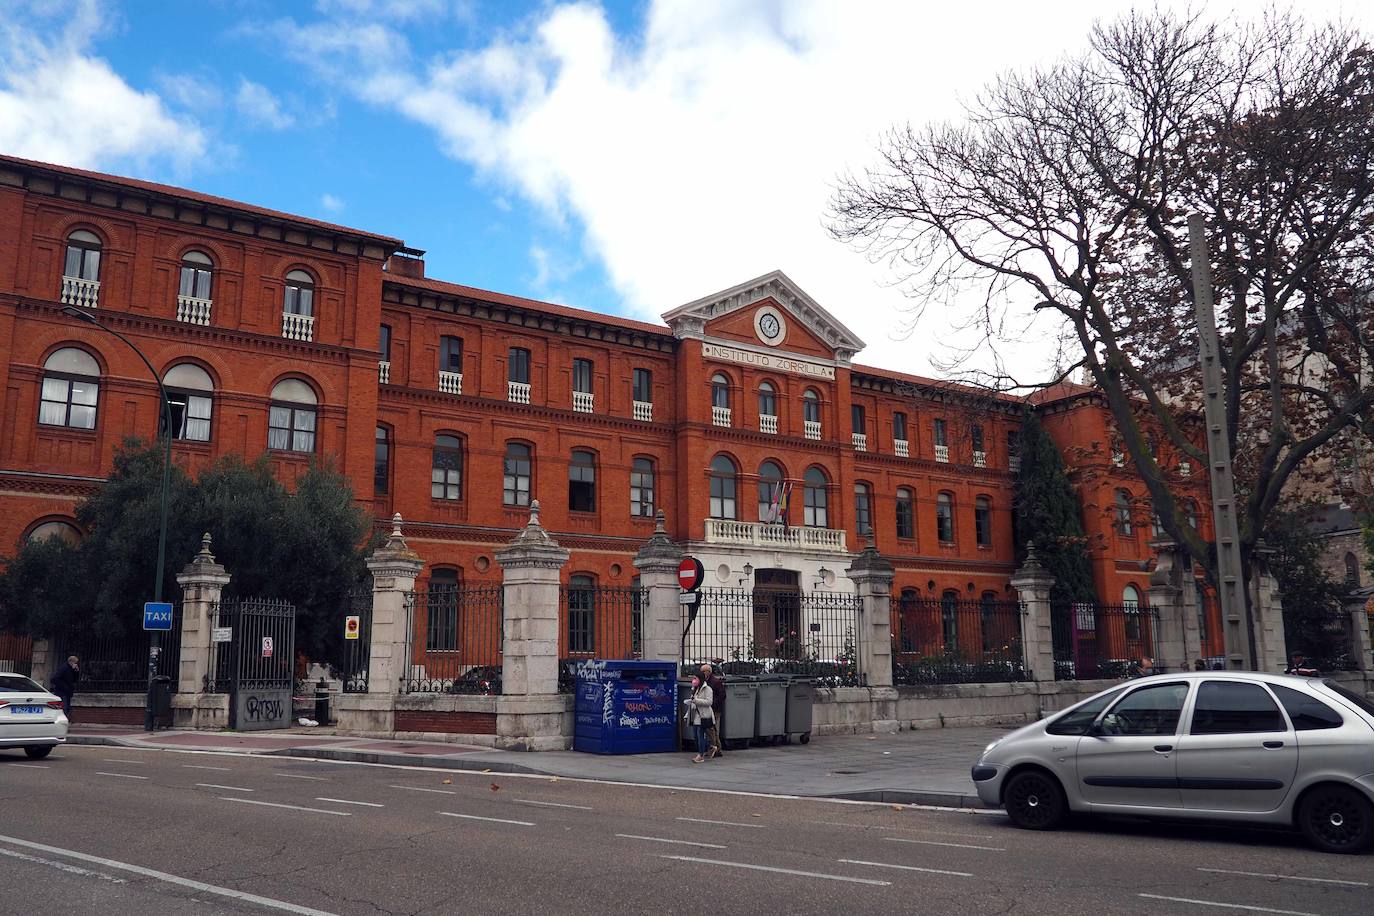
(449, 723)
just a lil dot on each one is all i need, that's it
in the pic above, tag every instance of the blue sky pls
(625, 157)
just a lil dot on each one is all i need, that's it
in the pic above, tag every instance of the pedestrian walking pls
(717, 682)
(63, 683)
(701, 718)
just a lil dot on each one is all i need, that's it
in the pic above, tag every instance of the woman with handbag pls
(701, 718)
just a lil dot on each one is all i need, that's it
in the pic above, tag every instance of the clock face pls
(769, 326)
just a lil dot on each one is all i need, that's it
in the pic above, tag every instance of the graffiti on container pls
(628, 721)
(607, 702)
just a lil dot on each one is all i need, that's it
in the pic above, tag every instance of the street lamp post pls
(154, 641)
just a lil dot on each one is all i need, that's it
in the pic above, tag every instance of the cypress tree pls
(1048, 513)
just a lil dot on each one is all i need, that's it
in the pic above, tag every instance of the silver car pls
(1229, 746)
(30, 717)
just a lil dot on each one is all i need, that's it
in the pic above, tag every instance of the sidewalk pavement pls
(929, 767)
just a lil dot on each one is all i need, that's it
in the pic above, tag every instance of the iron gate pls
(356, 654)
(255, 665)
(776, 631)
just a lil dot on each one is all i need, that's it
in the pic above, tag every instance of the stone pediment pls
(690, 320)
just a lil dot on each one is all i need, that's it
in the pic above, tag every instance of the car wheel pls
(1034, 801)
(38, 752)
(1337, 819)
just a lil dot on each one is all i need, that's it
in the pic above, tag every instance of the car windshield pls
(1350, 695)
(17, 683)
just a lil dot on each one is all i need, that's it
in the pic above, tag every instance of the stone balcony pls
(768, 424)
(384, 372)
(860, 441)
(84, 293)
(297, 327)
(901, 448)
(192, 310)
(774, 537)
(518, 392)
(812, 428)
(644, 411)
(450, 382)
(584, 402)
(720, 416)
(942, 453)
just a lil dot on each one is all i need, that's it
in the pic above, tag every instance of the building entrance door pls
(777, 613)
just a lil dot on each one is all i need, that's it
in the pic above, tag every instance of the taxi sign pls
(157, 615)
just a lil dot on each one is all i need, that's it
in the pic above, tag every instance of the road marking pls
(781, 871)
(702, 820)
(1260, 874)
(422, 789)
(121, 775)
(32, 766)
(1233, 906)
(494, 820)
(192, 766)
(931, 871)
(530, 801)
(250, 801)
(659, 839)
(211, 785)
(902, 839)
(62, 866)
(344, 801)
(294, 776)
(137, 763)
(170, 879)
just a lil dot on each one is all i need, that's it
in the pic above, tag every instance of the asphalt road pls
(118, 831)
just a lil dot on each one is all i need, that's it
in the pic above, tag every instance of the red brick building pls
(457, 406)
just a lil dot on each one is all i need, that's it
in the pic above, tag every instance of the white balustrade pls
(450, 382)
(518, 392)
(85, 293)
(297, 327)
(192, 310)
(384, 372)
(942, 453)
(860, 441)
(1185, 469)
(780, 537)
(902, 448)
(768, 424)
(644, 410)
(1014, 463)
(720, 416)
(980, 459)
(583, 401)
(812, 429)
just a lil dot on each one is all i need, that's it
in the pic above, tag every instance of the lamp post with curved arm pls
(154, 641)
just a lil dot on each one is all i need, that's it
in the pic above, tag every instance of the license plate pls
(26, 710)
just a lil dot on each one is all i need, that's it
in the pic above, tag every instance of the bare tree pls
(1073, 184)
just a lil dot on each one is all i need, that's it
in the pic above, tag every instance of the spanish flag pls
(784, 497)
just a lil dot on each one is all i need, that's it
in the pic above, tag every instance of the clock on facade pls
(769, 326)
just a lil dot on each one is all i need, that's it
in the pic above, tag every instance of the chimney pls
(407, 262)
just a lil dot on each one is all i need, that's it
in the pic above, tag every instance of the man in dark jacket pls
(717, 683)
(63, 683)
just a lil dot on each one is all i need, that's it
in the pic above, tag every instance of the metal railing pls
(450, 382)
(598, 621)
(812, 428)
(944, 641)
(117, 662)
(16, 654)
(901, 448)
(454, 639)
(1100, 640)
(192, 310)
(756, 632)
(518, 392)
(720, 416)
(260, 653)
(356, 655)
(83, 293)
(766, 534)
(768, 423)
(297, 327)
(644, 411)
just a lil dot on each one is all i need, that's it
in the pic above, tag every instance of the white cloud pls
(61, 103)
(257, 103)
(331, 203)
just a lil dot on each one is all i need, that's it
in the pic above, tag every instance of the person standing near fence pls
(701, 718)
(63, 683)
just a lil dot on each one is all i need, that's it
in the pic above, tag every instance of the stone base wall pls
(205, 710)
(109, 708)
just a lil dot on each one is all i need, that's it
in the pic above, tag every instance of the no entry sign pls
(690, 574)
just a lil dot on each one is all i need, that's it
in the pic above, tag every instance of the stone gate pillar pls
(1033, 583)
(872, 576)
(41, 663)
(657, 562)
(202, 582)
(1177, 642)
(394, 567)
(1271, 649)
(1356, 606)
(530, 713)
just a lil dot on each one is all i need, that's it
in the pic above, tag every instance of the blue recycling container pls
(625, 707)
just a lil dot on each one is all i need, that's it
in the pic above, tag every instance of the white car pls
(30, 717)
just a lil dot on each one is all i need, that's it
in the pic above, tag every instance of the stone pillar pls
(872, 577)
(1033, 583)
(202, 582)
(1356, 605)
(42, 664)
(661, 627)
(1177, 641)
(530, 714)
(394, 568)
(1271, 649)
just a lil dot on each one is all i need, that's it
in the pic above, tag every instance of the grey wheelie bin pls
(770, 715)
(737, 722)
(801, 694)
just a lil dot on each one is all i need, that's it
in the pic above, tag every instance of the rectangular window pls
(384, 343)
(863, 509)
(941, 433)
(856, 418)
(381, 463)
(518, 366)
(1231, 707)
(451, 354)
(582, 482)
(642, 488)
(68, 402)
(190, 416)
(582, 376)
(906, 520)
(899, 426)
(944, 519)
(195, 282)
(291, 429)
(982, 522)
(644, 386)
(976, 434)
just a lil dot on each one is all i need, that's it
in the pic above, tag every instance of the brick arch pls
(92, 349)
(310, 380)
(216, 376)
(212, 361)
(174, 248)
(107, 229)
(271, 373)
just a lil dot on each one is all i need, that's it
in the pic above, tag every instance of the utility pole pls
(1235, 613)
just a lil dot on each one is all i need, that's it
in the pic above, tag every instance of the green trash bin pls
(770, 715)
(801, 696)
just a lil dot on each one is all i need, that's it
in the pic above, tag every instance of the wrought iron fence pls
(16, 654)
(356, 655)
(598, 621)
(808, 634)
(453, 639)
(260, 653)
(951, 641)
(118, 662)
(1100, 640)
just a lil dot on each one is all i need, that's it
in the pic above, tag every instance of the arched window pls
(582, 481)
(642, 488)
(83, 256)
(446, 468)
(811, 406)
(724, 482)
(863, 509)
(189, 395)
(949, 619)
(1123, 513)
(63, 531)
(71, 388)
(1352, 570)
(720, 391)
(441, 635)
(197, 272)
(291, 418)
(944, 517)
(515, 486)
(300, 294)
(768, 400)
(906, 516)
(581, 615)
(815, 499)
(381, 462)
(770, 491)
(1130, 605)
(982, 521)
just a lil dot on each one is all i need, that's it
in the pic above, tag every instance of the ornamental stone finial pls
(1032, 561)
(396, 541)
(660, 526)
(205, 556)
(534, 515)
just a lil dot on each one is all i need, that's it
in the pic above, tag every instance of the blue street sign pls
(157, 615)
